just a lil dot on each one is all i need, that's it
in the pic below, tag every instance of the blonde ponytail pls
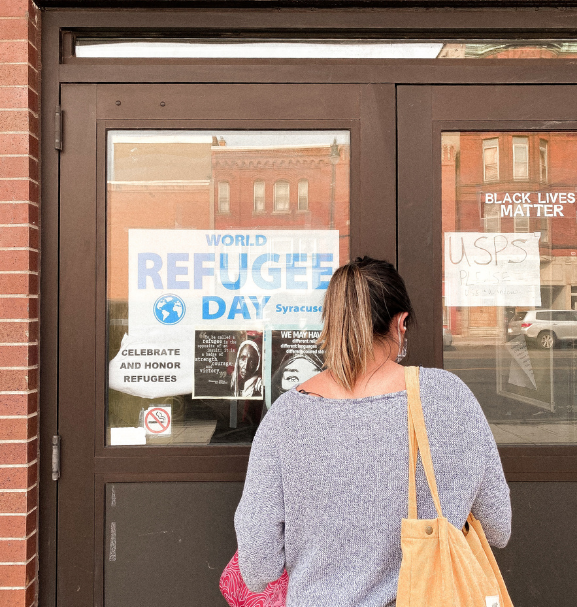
(347, 335)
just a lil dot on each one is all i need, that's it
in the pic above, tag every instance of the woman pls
(327, 483)
(246, 381)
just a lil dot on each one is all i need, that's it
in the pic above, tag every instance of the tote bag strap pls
(418, 441)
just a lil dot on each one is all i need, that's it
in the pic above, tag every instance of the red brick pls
(33, 33)
(34, 83)
(18, 190)
(18, 356)
(18, 212)
(18, 260)
(13, 74)
(13, 96)
(17, 550)
(12, 576)
(33, 57)
(12, 503)
(18, 598)
(17, 120)
(18, 453)
(17, 575)
(13, 526)
(14, 29)
(34, 13)
(14, 51)
(17, 353)
(14, 8)
(13, 478)
(18, 404)
(18, 332)
(18, 236)
(17, 478)
(18, 166)
(32, 521)
(18, 307)
(18, 284)
(20, 143)
(16, 380)
(18, 429)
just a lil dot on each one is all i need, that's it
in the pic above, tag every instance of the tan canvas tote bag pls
(442, 566)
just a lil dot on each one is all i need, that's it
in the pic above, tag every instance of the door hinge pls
(55, 457)
(58, 128)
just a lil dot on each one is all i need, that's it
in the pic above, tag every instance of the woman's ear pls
(402, 320)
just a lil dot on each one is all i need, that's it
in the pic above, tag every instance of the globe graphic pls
(169, 309)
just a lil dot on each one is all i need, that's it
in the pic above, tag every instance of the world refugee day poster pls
(183, 281)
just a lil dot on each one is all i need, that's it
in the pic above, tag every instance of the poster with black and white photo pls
(228, 364)
(295, 357)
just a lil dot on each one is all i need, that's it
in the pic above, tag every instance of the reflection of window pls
(521, 224)
(259, 196)
(281, 196)
(544, 229)
(492, 218)
(490, 159)
(574, 298)
(303, 195)
(543, 161)
(223, 197)
(520, 157)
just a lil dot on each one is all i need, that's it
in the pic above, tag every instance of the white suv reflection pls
(546, 328)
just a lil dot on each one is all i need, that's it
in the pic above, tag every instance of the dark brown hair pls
(361, 300)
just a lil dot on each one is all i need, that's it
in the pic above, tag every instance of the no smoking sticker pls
(157, 421)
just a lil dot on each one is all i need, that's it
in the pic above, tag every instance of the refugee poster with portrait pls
(295, 357)
(228, 364)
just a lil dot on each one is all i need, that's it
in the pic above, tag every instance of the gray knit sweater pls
(327, 486)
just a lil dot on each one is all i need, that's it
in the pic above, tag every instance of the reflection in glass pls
(259, 199)
(510, 279)
(176, 306)
(246, 48)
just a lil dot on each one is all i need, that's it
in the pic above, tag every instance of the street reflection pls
(510, 279)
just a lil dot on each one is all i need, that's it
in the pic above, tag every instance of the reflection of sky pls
(273, 138)
(253, 49)
(232, 138)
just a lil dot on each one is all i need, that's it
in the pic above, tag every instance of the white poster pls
(185, 281)
(182, 279)
(520, 370)
(153, 368)
(492, 269)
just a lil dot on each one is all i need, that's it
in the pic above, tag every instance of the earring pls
(402, 345)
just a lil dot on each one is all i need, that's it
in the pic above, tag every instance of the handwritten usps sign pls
(492, 269)
(181, 279)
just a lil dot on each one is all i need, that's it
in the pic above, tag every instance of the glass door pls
(488, 247)
(199, 248)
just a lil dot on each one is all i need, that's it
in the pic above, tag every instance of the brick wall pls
(19, 80)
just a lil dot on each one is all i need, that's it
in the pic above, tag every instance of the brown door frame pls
(60, 69)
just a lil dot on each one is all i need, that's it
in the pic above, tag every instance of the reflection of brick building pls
(474, 164)
(182, 185)
(285, 187)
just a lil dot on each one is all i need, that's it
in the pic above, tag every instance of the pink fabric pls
(236, 593)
